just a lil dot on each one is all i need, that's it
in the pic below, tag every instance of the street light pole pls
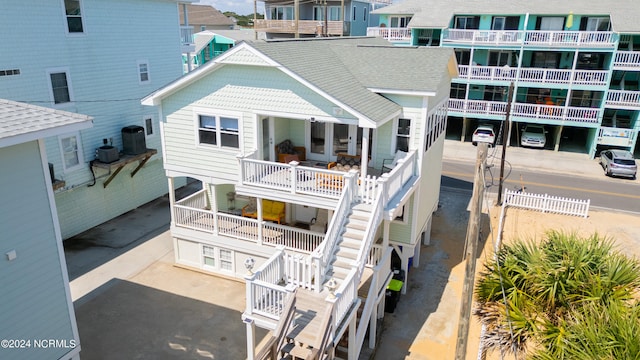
(505, 138)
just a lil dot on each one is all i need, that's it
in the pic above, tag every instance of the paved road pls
(613, 193)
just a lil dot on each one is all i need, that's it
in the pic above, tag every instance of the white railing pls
(391, 183)
(547, 203)
(536, 75)
(615, 136)
(624, 98)
(627, 59)
(531, 37)
(346, 295)
(291, 177)
(531, 111)
(292, 238)
(390, 33)
(299, 270)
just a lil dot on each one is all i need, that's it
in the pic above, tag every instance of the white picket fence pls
(547, 203)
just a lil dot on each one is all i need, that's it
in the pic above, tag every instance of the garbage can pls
(392, 295)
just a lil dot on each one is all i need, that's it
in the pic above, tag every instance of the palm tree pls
(541, 295)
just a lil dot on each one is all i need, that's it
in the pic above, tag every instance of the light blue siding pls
(33, 295)
(102, 65)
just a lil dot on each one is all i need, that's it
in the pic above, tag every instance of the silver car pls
(618, 163)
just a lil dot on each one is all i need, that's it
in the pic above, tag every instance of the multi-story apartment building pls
(294, 18)
(90, 57)
(319, 159)
(575, 65)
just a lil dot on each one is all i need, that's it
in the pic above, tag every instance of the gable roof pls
(202, 14)
(438, 13)
(21, 122)
(347, 71)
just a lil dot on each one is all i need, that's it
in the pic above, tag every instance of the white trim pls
(79, 151)
(39, 134)
(402, 92)
(217, 113)
(67, 73)
(82, 19)
(63, 264)
(139, 72)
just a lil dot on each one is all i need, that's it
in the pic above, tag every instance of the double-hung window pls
(221, 131)
(143, 71)
(71, 152)
(73, 13)
(217, 258)
(402, 135)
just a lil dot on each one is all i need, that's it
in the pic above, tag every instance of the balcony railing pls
(304, 26)
(623, 99)
(530, 111)
(536, 75)
(193, 213)
(627, 60)
(615, 136)
(531, 38)
(390, 33)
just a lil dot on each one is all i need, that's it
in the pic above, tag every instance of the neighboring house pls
(100, 63)
(209, 44)
(205, 17)
(293, 18)
(575, 65)
(289, 139)
(35, 297)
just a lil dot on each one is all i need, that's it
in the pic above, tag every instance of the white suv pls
(484, 133)
(533, 135)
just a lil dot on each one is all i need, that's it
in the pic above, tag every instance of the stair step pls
(353, 234)
(343, 263)
(357, 223)
(346, 252)
(351, 243)
(363, 207)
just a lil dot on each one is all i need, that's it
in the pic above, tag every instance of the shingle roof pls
(347, 68)
(205, 15)
(20, 122)
(438, 13)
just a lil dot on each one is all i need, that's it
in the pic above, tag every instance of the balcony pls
(612, 136)
(532, 38)
(390, 33)
(627, 60)
(548, 113)
(305, 27)
(623, 99)
(186, 39)
(534, 75)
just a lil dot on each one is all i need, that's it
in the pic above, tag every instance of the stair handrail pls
(325, 250)
(274, 344)
(370, 232)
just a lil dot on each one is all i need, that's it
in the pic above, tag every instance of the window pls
(60, 87)
(463, 57)
(71, 152)
(595, 24)
(498, 23)
(221, 131)
(73, 13)
(550, 23)
(143, 71)
(354, 13)
(282, 13)
(203, 28)
(499, 58)
(333, 13)
(548, 60)
(148, 126)
(364, 15)
(495, 93)
(399, 21)
(402, 135)
(467, 22)
(505, 23)
(9, 72)
(215, 258)
(458, 91)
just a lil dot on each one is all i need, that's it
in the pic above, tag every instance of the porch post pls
(465, 123)
(364, 154)
(426, 240)
(172, 199)
(260, 221)
(213, 205)
(352, 339)
(556, 142)
(251, 339)
(296, 16)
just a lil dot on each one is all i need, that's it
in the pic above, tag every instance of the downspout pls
(296, 17)
(342, 16)
(255, 18)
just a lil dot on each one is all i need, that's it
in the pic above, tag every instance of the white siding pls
(103, 73)
(33, 294)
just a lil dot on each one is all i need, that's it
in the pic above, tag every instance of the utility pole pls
(506, 131)
(471, 251)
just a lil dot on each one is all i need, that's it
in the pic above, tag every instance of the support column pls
(352, 355)
(556, 140)
(465, 124)
(172, 198)
(416, 254)
(251, 339)
(426, 240)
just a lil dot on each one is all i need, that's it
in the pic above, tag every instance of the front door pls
(268, 151)
(326, 140)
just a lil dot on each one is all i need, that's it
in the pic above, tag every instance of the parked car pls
(533, 135)
(484, 133)
(618, 163)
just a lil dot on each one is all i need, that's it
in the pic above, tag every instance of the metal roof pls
(21, 122)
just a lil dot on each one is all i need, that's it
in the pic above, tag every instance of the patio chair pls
(390, 164)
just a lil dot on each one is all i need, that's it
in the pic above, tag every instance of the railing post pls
(294, 176)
